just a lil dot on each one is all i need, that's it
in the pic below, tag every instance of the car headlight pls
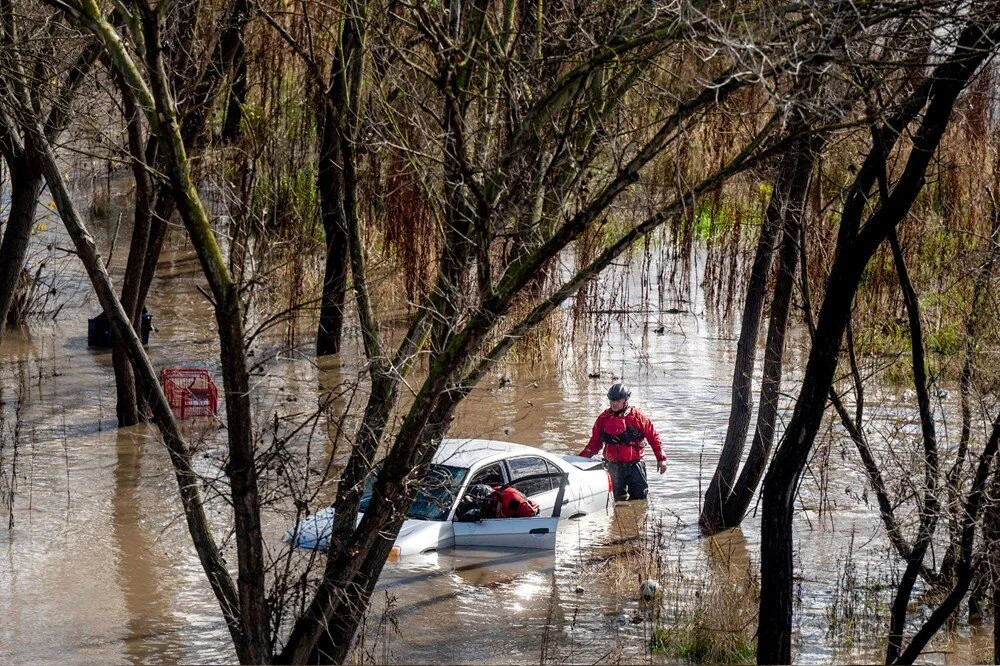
(393, 554)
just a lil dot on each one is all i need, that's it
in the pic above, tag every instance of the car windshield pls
(436, 495)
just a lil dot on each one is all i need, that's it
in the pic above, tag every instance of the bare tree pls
(31, 79)
(856, 244)
(154, 202)
(337, 176)
(728, 497)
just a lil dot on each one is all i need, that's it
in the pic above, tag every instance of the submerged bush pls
(711, 616)
(702, 642)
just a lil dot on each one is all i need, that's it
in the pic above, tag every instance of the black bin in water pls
(99, 330)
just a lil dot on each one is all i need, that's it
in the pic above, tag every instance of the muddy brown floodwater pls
(97, 566)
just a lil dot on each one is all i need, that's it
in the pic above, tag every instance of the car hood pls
(312, 532)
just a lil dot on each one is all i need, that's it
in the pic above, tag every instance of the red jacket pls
(622, 437)
(511, 503)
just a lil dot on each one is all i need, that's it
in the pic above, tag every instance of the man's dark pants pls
(628, 478)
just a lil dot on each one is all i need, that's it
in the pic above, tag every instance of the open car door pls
(538, 532)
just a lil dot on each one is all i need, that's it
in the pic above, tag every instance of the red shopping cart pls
(190, 391)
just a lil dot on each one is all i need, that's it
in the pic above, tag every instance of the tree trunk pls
(330, 183)
(727, 497)
(126, 405)
(853, 254)
(774, 634)
(741, 407)
(738, 500)
(356, 582)
(25, 183)
(252, 636)
(125, 384)
(164, 206)
(336, 174)
(243, 481)
(237, 97)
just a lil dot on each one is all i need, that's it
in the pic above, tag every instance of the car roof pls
(467, 452)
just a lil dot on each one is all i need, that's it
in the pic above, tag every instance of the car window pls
(491, 475)
(366, 494)
(553, 470)
(528, 466)
(437, 493)
(435, 497)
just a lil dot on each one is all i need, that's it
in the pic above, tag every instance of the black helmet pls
(618, 392)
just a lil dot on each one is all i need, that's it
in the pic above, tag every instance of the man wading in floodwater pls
(621, 431)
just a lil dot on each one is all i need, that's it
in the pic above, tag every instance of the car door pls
(538, 532)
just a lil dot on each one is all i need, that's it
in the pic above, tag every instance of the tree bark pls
(794, 190)
(929, 504)
(232, 127)
(337, 169)
(853, 253)
(26, 183)
(330, 184)
(164, 206)
(125, 384)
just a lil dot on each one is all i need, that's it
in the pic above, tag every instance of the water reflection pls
(150, 628)
(490, 603)
(727, 550)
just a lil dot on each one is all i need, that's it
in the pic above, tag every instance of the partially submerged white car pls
(434, 521)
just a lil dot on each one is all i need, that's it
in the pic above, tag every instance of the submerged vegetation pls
(700, 642)
(716, 624)
(700, 615)
(859, 606)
